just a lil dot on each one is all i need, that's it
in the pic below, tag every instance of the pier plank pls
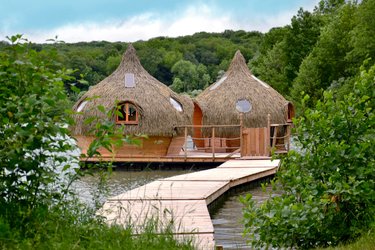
(187, 216)
(219, 174)
(183, 199)
(250, 163)
(178, 190)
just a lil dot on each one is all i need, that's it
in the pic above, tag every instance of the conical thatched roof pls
(157, 116)
(218, 101)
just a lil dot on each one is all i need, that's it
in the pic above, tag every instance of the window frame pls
(290, 113)
(126, 118)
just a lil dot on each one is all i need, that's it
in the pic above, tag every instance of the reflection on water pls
(226, 220)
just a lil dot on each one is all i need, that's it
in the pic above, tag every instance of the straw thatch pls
(218, 101)
(157, 116)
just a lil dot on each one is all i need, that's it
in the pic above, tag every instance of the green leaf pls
(101, 108)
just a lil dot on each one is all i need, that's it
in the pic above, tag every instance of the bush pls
(35, 163)
(329, 186)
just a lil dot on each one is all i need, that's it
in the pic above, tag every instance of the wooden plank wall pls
(255, 142)
(155, 146)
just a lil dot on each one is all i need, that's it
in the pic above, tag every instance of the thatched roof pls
(218, 101)
(152, 98)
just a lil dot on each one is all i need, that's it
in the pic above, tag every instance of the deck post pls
(269, 134)
(274, 136)
(185, 144)
(213, 143)
(241, 134)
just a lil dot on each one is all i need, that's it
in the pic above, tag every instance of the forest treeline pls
(319, 50)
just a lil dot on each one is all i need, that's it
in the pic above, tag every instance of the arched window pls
(175, 104)
(290, 111)
(129, 114)
(81, 106)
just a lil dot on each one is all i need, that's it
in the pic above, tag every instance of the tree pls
(327, 61)
(112, 63)
(329, 184)
(272, 68)
(33, 127)
(187, 73)
(363, 34)
(283, 50)
(300, 40)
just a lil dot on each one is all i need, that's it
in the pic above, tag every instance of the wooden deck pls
(191, 156)
(180, 203)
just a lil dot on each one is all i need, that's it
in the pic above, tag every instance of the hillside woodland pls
(319, 50)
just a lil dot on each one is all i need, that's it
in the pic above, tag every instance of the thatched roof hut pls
(151, 107)
(218, 101)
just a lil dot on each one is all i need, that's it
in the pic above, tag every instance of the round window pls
(243, 106)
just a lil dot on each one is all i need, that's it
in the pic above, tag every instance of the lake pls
(226, 219)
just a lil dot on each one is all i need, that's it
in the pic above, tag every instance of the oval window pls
(243, 106)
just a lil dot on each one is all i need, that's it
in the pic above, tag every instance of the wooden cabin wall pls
(233, 144)
(154, 146)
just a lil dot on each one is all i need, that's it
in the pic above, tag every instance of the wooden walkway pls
(180, 202)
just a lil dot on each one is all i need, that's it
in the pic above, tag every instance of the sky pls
(133, 20)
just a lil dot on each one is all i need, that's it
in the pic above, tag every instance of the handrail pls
(285, 137)
(214, 144)
(280, 139)
(206, 126)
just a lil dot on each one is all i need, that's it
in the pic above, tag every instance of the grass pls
(73, 229)
(366, 242)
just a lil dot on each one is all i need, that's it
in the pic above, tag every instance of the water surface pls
(226, 219)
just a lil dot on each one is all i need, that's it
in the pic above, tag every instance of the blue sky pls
(131, 20)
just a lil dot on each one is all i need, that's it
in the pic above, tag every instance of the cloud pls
(195, 18)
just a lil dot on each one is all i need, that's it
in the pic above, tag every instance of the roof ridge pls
(238, 63)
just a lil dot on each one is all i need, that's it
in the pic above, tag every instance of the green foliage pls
(94, 61)
(37, 208)
(327, 61)
(77, 229)
(363, 34)
(329, 186)
(320, 50)
(189, 77)
(364, 242)
(283, 50)
(271, 67)
(33, 124)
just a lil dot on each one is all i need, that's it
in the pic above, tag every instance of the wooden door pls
(197, 131)
(255, 142)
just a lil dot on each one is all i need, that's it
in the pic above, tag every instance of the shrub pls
(35, 157)
(329, 186)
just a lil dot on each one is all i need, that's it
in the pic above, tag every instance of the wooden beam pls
(241, 134)
(207, 126)
(213, 143)
(185, 144)
(269, 134)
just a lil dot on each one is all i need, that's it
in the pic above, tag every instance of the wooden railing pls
(280, 137)
(214, 146)
(276, 137)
